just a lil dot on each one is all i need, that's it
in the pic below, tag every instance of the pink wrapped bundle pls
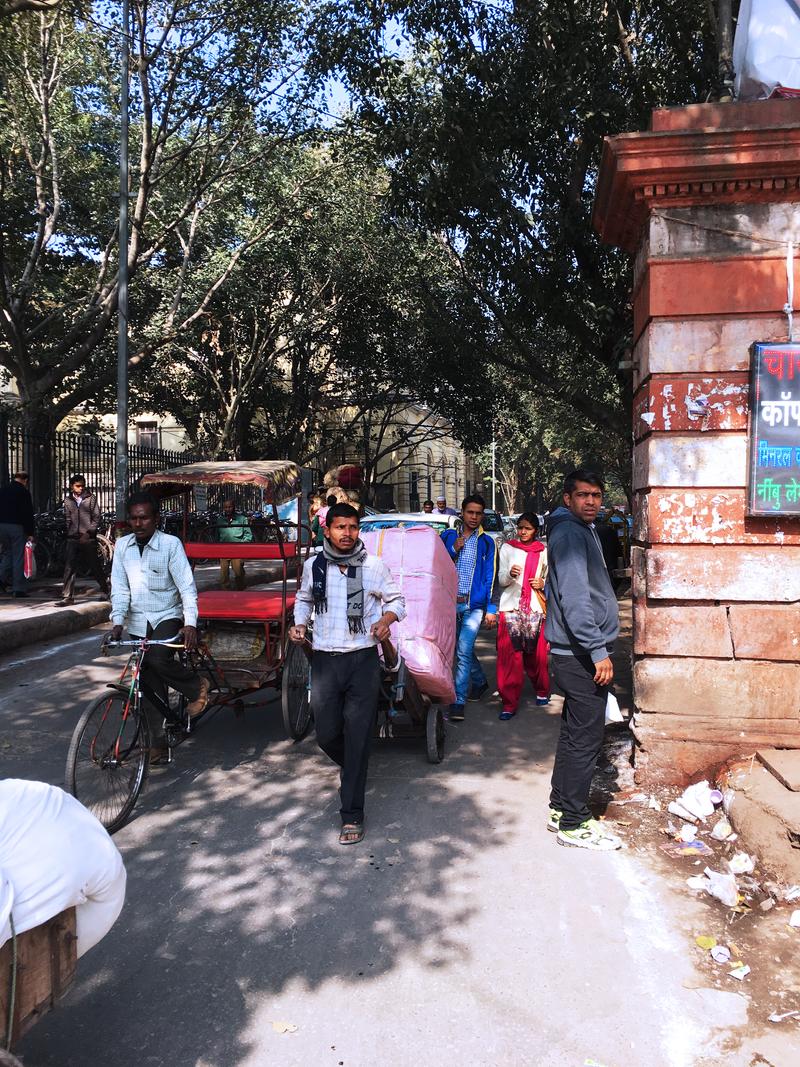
(426, 637)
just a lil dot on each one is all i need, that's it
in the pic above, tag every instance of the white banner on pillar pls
(766, 49)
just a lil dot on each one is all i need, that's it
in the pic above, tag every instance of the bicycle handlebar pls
(170, 642)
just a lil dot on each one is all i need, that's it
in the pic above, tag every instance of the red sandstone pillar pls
(706, 201)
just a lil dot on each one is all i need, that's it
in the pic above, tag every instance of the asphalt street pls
(457, 933)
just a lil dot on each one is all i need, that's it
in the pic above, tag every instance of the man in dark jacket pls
(83, 515)
(17, 524)
(582, 625)
(475, 556)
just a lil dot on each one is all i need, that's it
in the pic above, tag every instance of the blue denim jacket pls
(485, 573)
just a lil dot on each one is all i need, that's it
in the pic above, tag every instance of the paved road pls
(458, 933)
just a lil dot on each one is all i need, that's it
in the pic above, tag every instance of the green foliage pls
(340, 312)
(216, 90)
(493, 117)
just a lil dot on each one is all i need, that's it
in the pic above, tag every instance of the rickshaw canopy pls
(278, 478)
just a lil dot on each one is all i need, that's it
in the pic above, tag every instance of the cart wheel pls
(435, 732)
(294, 693)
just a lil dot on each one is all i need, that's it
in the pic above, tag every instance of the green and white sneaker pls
(590, 834)
(554, 820)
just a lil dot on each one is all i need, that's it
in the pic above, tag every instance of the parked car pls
(494, 526)
(391, 520)
(492, 522)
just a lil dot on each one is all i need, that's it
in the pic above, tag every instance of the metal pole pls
(494, 478)
(121, 479)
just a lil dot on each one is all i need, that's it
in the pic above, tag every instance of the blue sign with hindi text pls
(773, 484)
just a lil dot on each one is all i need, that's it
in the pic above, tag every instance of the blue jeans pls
(468, 670)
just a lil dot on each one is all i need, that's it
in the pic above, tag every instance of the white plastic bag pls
(723, 887)
(695, 803)
(613, 712)
(766, 48)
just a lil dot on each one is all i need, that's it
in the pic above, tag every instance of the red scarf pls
(533, 551)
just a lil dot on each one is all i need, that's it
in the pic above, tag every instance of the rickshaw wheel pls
(294, 693)
(435, 733)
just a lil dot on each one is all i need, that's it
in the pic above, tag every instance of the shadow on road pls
(240, 900)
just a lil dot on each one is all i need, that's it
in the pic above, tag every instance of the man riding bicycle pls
(153, 589)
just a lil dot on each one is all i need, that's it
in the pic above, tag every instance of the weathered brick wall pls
(716, 620)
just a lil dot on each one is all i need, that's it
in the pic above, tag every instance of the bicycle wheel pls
(294, 693)
(205, 537)
(108, 759)
(105, 549)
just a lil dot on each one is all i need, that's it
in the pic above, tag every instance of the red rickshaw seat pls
(249, 550)
(244, 605)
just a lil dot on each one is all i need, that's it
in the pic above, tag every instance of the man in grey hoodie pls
(582, 625)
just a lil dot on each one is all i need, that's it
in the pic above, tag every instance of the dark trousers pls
(12, 556)
(344, 696)
(581, 737)
(160, 669)
(79, 555)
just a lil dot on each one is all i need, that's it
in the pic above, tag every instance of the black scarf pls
(354, 561)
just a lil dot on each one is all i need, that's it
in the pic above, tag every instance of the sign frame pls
(773, 431)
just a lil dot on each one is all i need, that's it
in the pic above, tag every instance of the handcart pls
(404, 711)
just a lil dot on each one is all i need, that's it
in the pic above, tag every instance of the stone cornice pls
(690, 158)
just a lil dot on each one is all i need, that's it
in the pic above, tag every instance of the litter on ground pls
(778, 1017)
(686, 848)
(723, 831)
(723, 887)
(741, 863)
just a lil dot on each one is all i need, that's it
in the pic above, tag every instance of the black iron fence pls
(52, 459)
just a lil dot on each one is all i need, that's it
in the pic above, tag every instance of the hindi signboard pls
(773, 481)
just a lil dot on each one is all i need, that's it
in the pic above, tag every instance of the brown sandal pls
(352, 833)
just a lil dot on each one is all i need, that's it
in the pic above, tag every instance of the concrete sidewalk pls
(23, 622)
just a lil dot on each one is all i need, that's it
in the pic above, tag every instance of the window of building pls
(413, 491)
(147, 434)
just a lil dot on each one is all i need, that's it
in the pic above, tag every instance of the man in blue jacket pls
(475, 557)
(582, 625)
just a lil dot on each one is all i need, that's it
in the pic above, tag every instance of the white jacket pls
(512, 587)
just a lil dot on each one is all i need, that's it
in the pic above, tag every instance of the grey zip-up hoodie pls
(582, 611)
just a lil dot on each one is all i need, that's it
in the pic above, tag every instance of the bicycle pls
(109, 754)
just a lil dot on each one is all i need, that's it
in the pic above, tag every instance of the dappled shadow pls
(240, 901)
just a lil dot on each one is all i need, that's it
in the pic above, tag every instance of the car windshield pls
(368, 525)
(492, 522)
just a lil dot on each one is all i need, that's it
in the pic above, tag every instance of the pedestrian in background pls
(314, 504)
(427, 507)
(582, 625)
(233, 527)
(475, 557)
(17, 524)
(318, 524)
(82, 514)
(442, 508)
(522, 574)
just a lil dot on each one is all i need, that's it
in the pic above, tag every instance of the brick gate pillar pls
(706, 202)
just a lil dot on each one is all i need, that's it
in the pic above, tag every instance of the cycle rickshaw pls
(244, 645)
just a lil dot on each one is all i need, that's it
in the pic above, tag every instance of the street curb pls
(19, 632)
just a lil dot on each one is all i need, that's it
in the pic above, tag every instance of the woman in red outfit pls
(522, 573)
